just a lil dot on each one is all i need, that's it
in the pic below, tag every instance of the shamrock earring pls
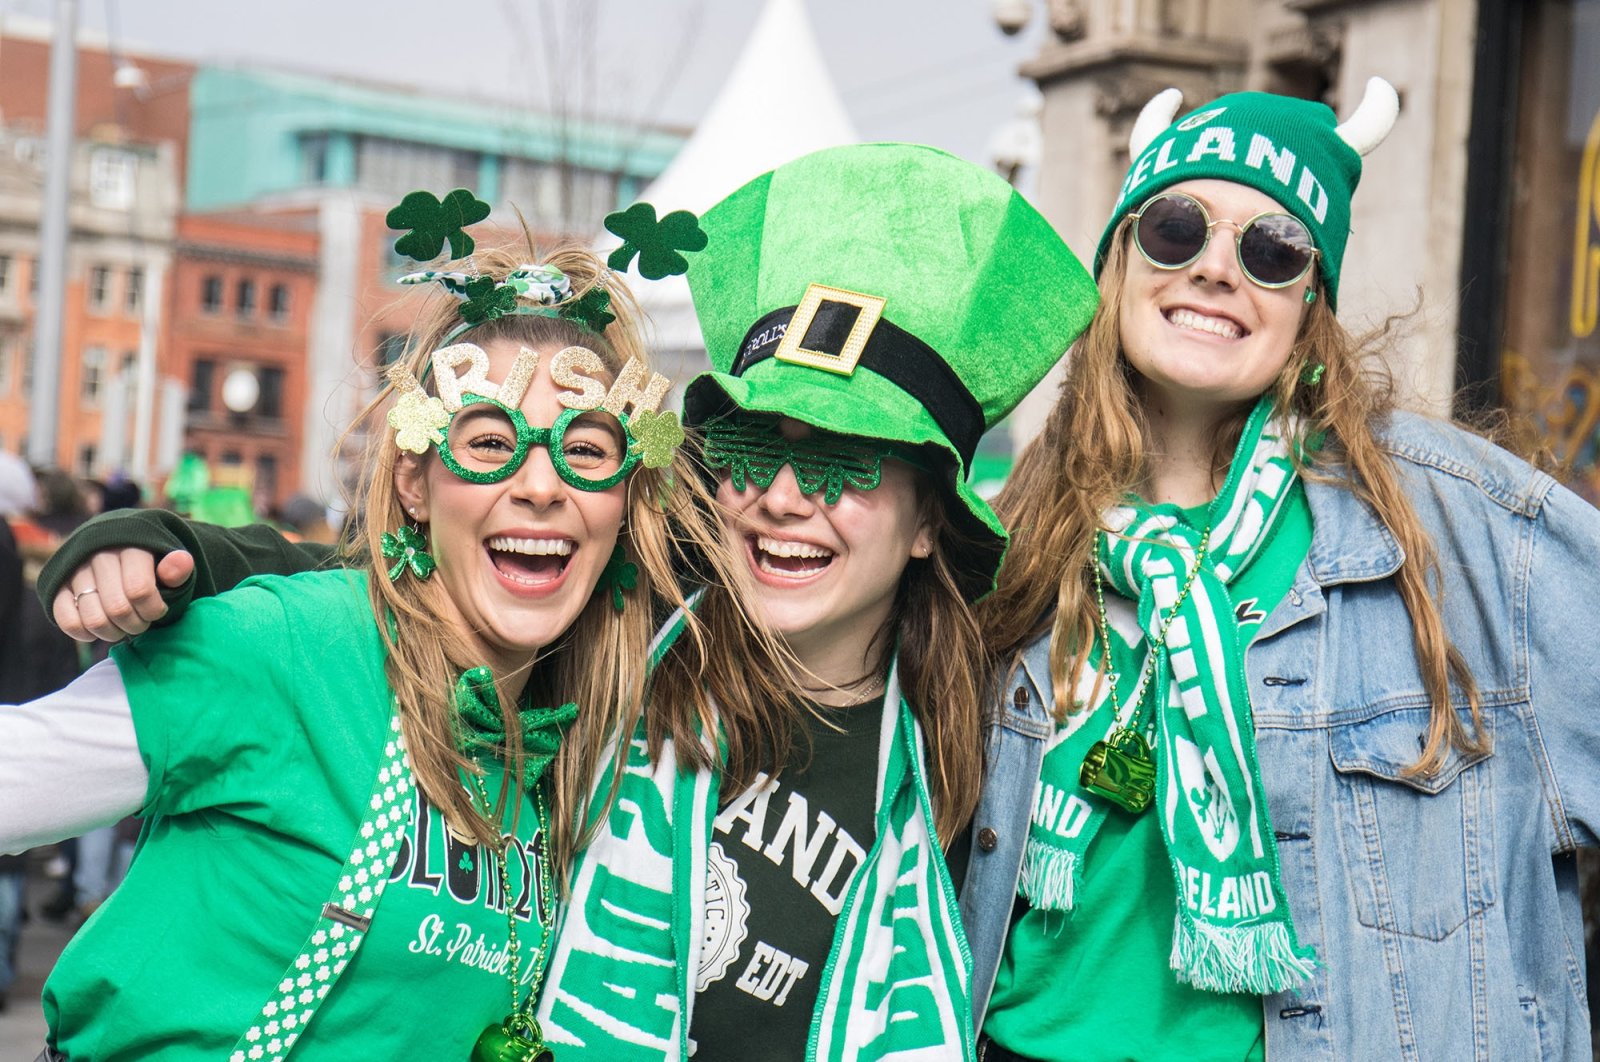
(1313, 374)
(408, 549)
(620, 574)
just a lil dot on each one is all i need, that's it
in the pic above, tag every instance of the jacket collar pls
(1349, 544)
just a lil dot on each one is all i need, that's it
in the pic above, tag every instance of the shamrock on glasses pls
(418, 419)
(657, 243)
(433, 222)
(658, 434)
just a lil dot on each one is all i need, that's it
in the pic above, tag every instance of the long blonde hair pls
(600, 662)
(1094, 450)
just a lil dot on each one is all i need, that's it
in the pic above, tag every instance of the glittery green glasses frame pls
(552, 439)
(755, 452)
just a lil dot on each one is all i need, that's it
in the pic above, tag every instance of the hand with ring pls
(117, 593)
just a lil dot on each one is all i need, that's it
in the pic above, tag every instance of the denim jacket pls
(1444, 909)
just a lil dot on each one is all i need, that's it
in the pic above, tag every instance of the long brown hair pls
(941, 664)
(669, 526)
(1094, 450)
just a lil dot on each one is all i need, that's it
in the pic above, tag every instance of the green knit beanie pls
(1292, 150)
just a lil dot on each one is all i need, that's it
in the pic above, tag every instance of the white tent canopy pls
(778, 103)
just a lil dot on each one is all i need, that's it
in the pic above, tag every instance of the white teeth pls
(783, 548)
(1217, 326)
(532, 547)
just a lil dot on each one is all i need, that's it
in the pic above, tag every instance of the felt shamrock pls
(408, 549)
(592, 309)
(433, 221)
(658, 434)
(620, 574)
(418, 419)
(657, 243)
(488, 299)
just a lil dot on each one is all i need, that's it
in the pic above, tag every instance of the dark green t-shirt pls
(783, 854)
(1094, 985)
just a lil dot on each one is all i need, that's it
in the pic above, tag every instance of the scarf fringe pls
(1260, 958)
(1049, 876)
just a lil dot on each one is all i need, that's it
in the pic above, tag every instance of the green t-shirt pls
(1095, 985)
(262, 717)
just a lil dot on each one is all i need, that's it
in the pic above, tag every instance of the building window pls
(112, 174)
(129, 365)
(278, 303)
(99, 288)
(200, 385)
(86, 456)
(267, 476)
(211, 294)
(33, 279)
(93, 378)
(5, 273)
(314, 158)
(245, 302)
(394, 167)
(270, 402)
(8, 362)
(133, 294)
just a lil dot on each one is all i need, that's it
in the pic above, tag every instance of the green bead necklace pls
(1122, 768)
(519, 1038)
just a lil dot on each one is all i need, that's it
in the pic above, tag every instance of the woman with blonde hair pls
(1293, 748)
(356, 805)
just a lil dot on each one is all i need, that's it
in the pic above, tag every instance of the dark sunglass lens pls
(1171, 230)
(1276, 249)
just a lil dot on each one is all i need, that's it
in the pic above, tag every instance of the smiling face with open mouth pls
(1204, 335)
(519, 558)
(825, 576)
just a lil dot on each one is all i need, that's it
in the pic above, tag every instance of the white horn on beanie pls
(1156, 116)
(1373, 119)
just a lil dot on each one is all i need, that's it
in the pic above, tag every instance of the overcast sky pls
(935, 71)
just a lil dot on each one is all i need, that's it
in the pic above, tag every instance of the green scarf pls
(1233, 931)
(622, 977)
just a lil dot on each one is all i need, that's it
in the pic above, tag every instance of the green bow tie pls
(542, 728)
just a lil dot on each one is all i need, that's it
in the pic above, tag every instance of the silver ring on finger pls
(81, 594)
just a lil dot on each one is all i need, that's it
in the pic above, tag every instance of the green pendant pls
(517, 1039)
(1121, 769)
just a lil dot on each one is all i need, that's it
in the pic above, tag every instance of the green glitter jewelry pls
(620, 574)
(756, 451)
(408, 549)
(488, 441)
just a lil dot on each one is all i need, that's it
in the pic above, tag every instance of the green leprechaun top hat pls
(893, 292)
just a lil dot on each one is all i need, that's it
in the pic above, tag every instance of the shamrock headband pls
(535, 289)
(483, 437)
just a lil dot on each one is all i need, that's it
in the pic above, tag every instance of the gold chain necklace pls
(519, 1038)
(1122, 768)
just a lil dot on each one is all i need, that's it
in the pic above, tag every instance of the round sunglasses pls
(1275, 249)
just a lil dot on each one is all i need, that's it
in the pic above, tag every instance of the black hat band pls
(891, 352)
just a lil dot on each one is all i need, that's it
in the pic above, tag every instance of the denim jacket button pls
(987, 839)
(1020, 698)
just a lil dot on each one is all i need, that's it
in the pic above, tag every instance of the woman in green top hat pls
(1297, 737)
(355, 808)
(861, 342)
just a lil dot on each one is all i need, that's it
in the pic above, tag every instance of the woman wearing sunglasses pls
(1297, 735)
(356, 804)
